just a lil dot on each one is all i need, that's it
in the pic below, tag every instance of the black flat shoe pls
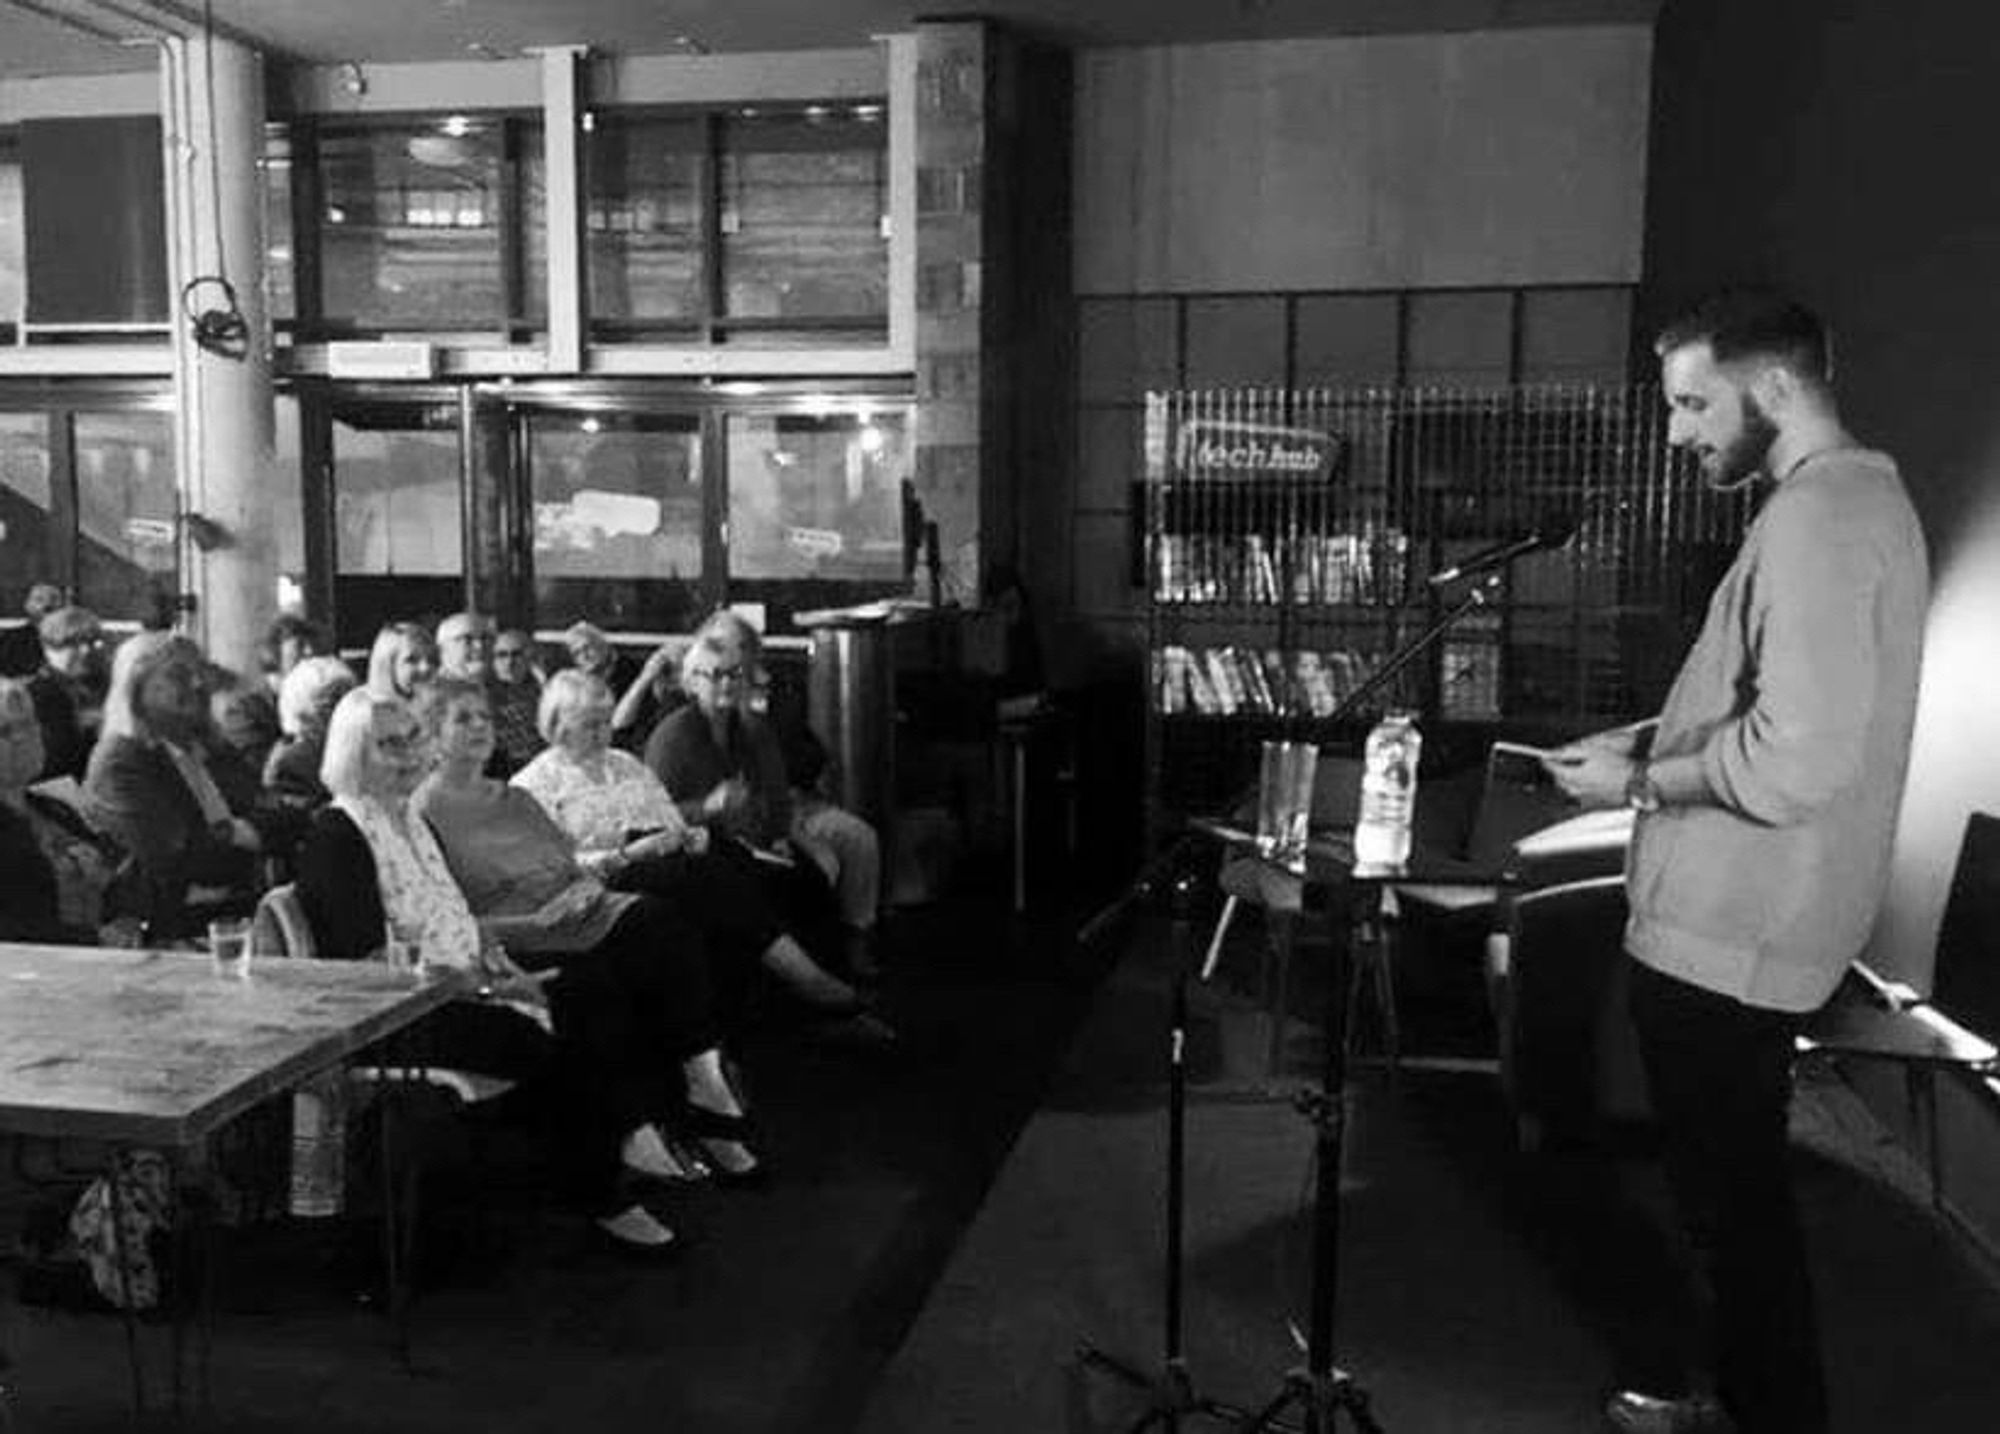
(635, 1233)
(701, 1121)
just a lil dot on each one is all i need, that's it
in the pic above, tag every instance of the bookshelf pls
(1288, 535)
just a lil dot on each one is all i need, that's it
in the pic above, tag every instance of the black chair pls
(1569, 1056)
(1872, 1018)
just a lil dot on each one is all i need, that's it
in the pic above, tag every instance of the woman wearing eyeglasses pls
(724, 763)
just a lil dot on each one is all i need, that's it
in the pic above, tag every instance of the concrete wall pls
(1835, 153)
(1408, 161)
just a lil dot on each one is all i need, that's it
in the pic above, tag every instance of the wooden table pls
(156, 1048)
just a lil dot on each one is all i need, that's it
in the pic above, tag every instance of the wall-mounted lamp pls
(352, 79)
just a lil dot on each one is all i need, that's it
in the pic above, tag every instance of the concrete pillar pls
(212, 107)
(953, 436)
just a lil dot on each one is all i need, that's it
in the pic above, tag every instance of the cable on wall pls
(208, 301)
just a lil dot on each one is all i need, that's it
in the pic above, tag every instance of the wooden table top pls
(157, 1048)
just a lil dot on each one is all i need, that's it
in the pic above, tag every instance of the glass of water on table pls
(229, 946)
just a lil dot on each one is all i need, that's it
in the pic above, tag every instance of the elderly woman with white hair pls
(592, 651)
(371, 871)
(149, 787)
(306, 699)
(630, 832)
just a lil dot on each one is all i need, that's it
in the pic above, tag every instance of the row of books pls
(1253, 568)
(1228, 680)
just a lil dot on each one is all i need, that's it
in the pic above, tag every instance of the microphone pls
(1498, 555)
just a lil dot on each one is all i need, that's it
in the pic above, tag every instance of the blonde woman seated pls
(370, 869)
(630, 833)
(403, 659)
(636, 977)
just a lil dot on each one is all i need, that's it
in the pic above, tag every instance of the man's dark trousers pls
(1720, 1076)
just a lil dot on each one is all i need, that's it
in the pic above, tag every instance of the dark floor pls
(1479, 1290)
(778, 1317)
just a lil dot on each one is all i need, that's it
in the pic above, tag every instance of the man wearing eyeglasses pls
(69, 690)
(514, 691)
(21, 647)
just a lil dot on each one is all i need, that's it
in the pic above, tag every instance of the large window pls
(815, 507)
(803, 222)
(749, 225)
(422, 228)
(128, 508)
(646, 222)
(88, 497)
(618, 518)
(817, 497)
(26, 555)
(396, 493)
(754, 225)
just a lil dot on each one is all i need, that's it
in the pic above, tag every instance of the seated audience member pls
(149, 787)
(723, 763)
(305, 704)
(590, 651)
(21, 647)
(842, 845)
(59, 880)
(628, 831)
(69, 690)
(655, 692)
(371, 870)
(403, 659)
(290, 640)
(465, 646)
(515, 689)
(640, 974)
(246, 722)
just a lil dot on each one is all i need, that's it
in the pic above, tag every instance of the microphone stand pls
(1318, 1388)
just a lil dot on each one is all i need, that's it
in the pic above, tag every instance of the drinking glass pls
(229, 947)
(1284, 802)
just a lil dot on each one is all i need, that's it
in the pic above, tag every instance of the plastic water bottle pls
(319, 1150)
(1388, 792)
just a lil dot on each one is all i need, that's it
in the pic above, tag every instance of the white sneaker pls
(645, 1153)
(1631, 1412)
(636, 1228)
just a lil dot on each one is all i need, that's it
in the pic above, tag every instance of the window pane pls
(13, 244)
(617, 519)
(817, 497)
(414, 225)
(24, 507)
(396, 501)
(534, 230)
(278, 284)
(645, 219)
(128, 556)
(804, 196)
